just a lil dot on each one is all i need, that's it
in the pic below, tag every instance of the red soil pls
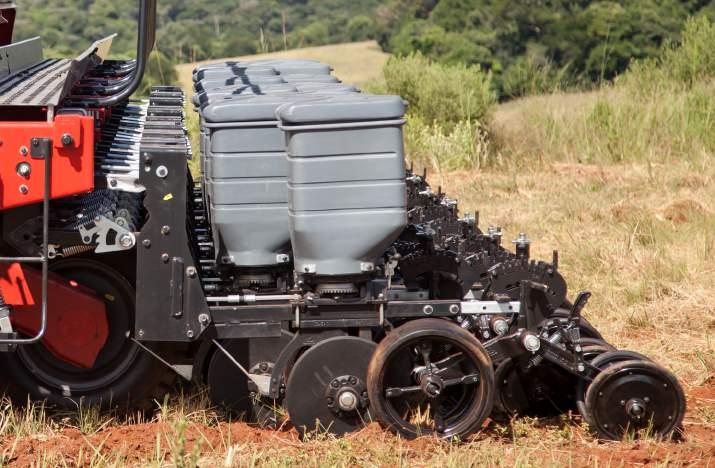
(136, 444)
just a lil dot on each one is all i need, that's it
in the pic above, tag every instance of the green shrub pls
(464, 145)
(445, 94)
(528, 76)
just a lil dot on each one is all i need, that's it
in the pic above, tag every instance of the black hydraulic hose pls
(145, 43)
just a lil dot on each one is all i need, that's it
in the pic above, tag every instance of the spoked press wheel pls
(326, 388)
(431, 377)
(635, 395)
(123, 375)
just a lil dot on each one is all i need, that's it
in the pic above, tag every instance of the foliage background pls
(529, 46)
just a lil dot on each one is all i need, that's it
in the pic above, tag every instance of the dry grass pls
(625, 122)
(639, 236)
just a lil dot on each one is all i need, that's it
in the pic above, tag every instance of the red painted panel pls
(72, 165)
(77, 327)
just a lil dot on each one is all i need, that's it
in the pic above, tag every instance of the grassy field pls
(639, 232)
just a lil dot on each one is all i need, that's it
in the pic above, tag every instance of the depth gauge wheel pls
(635, 395)
(431, 377)
(123, 376)
(601, 360)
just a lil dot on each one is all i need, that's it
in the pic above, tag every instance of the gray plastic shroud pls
(346, 187)
(251, 235)
(245, 179)
(207, 96)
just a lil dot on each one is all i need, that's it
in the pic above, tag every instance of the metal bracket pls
(5, 324)
(124, 183)
(263, 382)
(108, 235)
(490, 307)
(40, 148)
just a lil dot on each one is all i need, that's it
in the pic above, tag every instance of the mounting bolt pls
(146, 243)
(454, 309)
(162, 172)
(366, 266)
(428, 309)
(67, 139)
(24, 151)
(24, 169)
(581, 367)
(500, 326)
(347, 401)
(126, 241)
(189, 333)
(113, 182)
(165, 257)
(204, 319)
(23, 189)
(165, 230)
(140, 333)
(191, 272)
(531, 342)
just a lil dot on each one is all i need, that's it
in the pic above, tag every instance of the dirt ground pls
(534, 443)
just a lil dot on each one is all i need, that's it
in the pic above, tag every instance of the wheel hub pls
(432, 385)
(636, 408)
(346, 393)
(347, 400)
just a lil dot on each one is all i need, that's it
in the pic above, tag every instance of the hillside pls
(354, 63)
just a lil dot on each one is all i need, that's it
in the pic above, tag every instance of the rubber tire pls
(594, 388)
(423, 328)
(145, 381)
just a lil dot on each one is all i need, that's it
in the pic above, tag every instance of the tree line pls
(529, 44)
(192, 30)
(526, 45)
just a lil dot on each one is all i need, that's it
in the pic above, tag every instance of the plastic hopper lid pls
(347, 107)
(249, 108)
(309, 78)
